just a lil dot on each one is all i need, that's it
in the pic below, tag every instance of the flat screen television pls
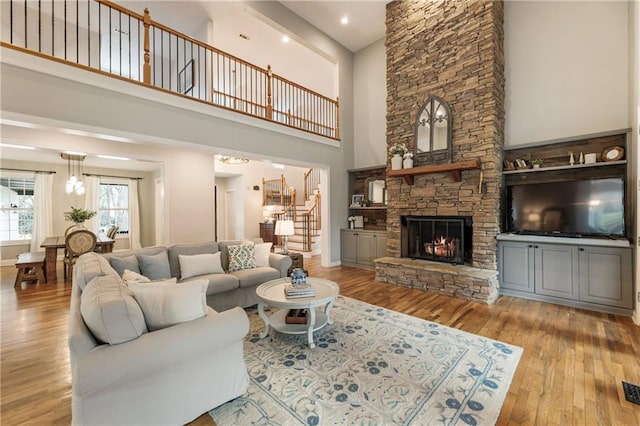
(593, 207)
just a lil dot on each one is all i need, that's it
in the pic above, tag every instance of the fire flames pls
(441, 246)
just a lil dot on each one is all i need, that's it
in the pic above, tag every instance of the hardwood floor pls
(570, 373)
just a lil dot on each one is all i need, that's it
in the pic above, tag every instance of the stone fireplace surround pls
(454, 50)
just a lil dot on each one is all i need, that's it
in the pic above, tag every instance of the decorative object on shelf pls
(296, 316)
(357, 200)
(590, 158)
(74, 165)
(508, 165)
(521, 164)
(397, 151)
(358, 223)
(351, 220)
(298, 277)
(407, 162)
(612, 153)
(537, 162)
(572, 160)
(396, 162)
(284, 228)
(581, 159)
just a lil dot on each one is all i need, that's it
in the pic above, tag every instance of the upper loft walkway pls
(105, 38)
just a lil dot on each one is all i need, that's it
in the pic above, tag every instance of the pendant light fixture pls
(74, 173)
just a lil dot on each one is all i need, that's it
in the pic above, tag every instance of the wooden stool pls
(30, 268)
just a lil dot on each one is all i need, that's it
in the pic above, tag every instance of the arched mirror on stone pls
(433, 133)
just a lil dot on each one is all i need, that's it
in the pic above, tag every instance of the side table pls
(297, 261)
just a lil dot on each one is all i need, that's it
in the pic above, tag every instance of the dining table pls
(52, 244)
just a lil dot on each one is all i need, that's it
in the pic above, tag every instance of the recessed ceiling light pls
(344, 20)
(285, 39)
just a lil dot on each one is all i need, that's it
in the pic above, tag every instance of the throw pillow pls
(241, 257)
(122, 263)
(261, 254)
(199, 264)
(165, 304)
(110, 311)
(155, 267)
(134, 276)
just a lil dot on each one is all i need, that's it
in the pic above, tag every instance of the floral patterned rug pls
(372, 366)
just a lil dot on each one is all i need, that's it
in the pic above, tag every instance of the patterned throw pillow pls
(241, 257)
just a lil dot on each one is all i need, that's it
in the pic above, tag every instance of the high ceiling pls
(366, 19)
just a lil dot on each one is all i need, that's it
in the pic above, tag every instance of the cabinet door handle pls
(580, 249)
(530, 245)
(536, 246)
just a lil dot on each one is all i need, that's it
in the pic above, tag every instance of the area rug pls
(372, 366)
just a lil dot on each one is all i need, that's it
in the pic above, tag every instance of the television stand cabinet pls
(588, 273)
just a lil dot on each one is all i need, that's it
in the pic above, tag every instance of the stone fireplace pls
(452, 50)
(446, 239)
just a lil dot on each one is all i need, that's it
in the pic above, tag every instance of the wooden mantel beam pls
(454, 168)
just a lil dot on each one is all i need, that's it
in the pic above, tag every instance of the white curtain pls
(92, 202)
(42, 208)
(134, 216)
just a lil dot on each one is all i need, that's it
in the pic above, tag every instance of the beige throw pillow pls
(167, 304)
(261, 254)
(199, 264)
(110, 311)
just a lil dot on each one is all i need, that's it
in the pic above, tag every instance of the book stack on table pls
(298, 291)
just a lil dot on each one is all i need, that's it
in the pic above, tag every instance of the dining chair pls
(112, 232)
(77, 243)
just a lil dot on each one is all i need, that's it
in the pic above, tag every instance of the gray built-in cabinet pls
(360, 247)
(596, 277)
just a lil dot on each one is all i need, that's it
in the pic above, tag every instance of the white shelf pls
(567, 167)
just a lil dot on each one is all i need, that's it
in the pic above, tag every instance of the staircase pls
(306, 217)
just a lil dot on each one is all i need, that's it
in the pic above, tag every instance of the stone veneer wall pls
(452, 49)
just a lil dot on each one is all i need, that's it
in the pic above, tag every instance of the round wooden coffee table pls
(271, 293)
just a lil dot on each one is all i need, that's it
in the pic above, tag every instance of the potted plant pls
(537, 162)
(397, 151)
(407, 163)
(78, 215)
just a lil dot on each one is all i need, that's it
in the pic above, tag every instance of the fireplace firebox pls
(438, 238)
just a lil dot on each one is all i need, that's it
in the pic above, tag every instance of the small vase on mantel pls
(396, 162)
(407, 163)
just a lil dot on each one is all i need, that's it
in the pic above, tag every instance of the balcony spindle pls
(146, 68)
(269, 100)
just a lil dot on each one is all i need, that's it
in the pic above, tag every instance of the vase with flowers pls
(79, 216)
(407, 161)
(351, 220)
(397, 151)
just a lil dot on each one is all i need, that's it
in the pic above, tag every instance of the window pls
(114, 207)
(16, 208)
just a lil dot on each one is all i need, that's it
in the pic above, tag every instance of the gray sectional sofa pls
(226, 290)
(125, 373)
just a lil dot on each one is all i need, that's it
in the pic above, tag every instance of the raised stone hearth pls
(453, 50)
(463, 282)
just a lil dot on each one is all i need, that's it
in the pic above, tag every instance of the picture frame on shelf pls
(185, 78)
(357, 200)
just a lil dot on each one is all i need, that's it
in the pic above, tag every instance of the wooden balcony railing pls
(103, 37)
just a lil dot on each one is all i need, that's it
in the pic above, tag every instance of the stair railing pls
(311, 182)
(311, 223)
(103, 37)
(279, 193)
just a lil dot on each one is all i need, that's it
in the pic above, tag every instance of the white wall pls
(370, 105)
(566, 69)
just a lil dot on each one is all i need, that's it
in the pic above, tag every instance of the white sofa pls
(163, 377)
